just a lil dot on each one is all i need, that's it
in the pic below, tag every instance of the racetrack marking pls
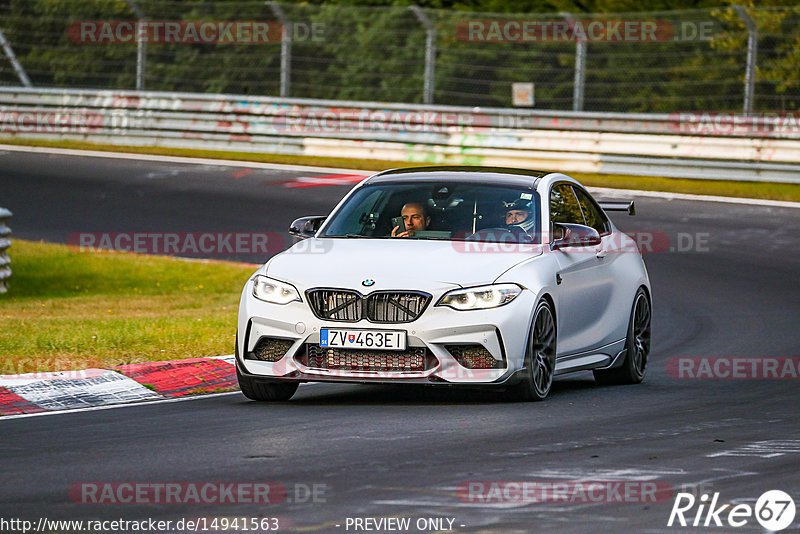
(130, 404)
(100, 387)
(242, 173)
(616, 440)
(13, 404)
(762, 449)
(502, 505)
(622, 193)
(705, 485)
(174, 159)
(324, 180)
(183, 377)
(114, 406)
(509, 506)
(230, 358)
(625, 193)
(442, 497)
(627, 473)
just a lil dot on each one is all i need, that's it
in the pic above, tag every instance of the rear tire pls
(540, 358)
(637, 346)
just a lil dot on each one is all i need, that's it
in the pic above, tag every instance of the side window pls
(564, 207)
(593, 215)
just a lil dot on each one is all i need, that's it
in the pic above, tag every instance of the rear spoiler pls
(619, 206)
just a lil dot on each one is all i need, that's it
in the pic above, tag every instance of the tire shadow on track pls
(414, 394)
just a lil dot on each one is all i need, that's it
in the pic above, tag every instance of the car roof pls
(460, 173)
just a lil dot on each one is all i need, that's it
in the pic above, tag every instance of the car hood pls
(395, 263)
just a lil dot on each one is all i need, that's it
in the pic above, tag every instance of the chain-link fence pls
(722, 59)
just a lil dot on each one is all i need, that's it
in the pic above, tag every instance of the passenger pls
(415, 218)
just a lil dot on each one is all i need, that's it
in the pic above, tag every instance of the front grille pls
(386, 307)
(411, 359)
(336, 304)
(395, 307)
(473, 356)
(269, 349)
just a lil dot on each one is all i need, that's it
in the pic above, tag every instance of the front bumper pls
(501, 331)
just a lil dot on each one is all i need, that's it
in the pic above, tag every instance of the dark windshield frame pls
(451, 204)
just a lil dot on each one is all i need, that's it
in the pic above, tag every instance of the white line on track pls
(335, 170)
(179, 159)
(704, 198)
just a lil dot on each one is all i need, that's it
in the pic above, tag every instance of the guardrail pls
(5, 243)
(692, 145)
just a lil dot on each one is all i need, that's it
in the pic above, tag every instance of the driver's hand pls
(401, 234)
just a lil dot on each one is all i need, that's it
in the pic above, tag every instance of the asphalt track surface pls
(396, 452)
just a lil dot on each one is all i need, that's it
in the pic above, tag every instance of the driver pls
(519, 215)
(415, 218)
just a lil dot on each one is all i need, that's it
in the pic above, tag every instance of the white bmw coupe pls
(488, 277)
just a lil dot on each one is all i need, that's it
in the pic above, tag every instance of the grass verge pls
(728, 188)
(70, 310)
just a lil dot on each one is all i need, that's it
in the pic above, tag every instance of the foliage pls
(375, 50)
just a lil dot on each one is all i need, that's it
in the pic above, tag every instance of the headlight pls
(480, 298)
(275, 291)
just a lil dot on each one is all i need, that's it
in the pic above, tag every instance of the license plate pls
(362, 339)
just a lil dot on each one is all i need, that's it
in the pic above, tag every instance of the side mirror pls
(306, 227)
(574, 235)
(629, 206)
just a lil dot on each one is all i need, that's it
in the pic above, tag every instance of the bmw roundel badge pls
(368, 282)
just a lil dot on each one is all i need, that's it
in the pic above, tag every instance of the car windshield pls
(443, 210)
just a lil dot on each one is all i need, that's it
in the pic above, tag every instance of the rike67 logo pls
(774, 510)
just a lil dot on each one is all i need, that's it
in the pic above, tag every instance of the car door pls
(618, 253)
(585, 279)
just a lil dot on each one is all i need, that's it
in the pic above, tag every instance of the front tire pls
(263, 391)
(540, 358)
(637, 346)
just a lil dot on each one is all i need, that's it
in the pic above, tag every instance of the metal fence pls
(723, 59)
(679, 145)
(5, 243)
